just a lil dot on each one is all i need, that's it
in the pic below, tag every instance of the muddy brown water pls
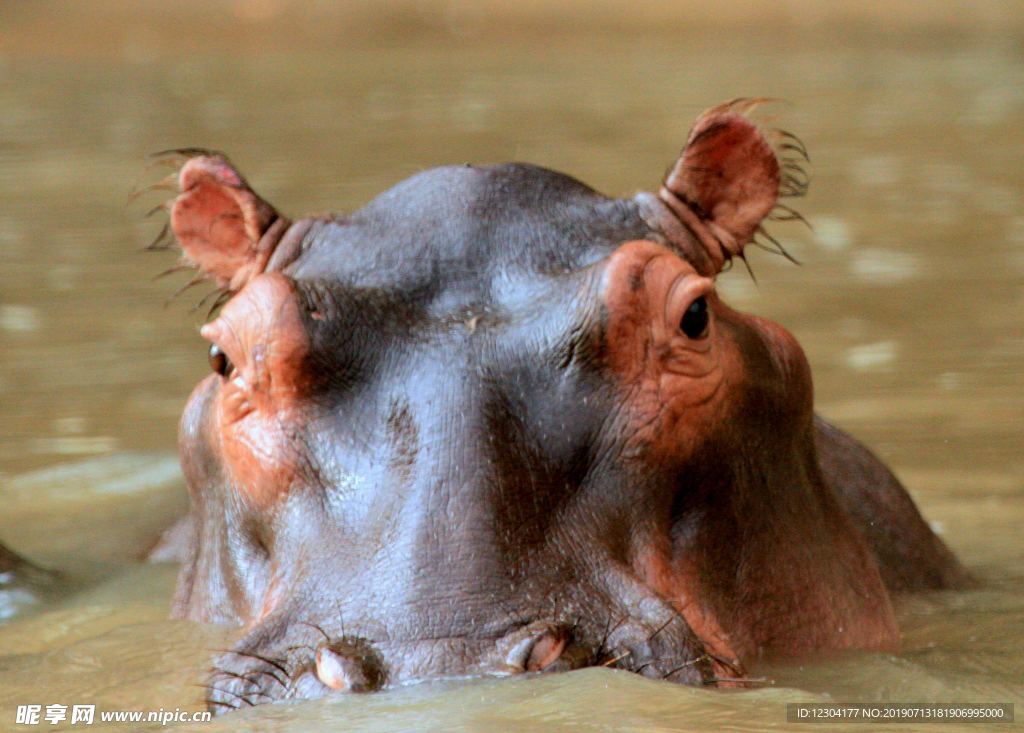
(909, 301)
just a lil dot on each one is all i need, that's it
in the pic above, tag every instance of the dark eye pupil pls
(219, 361)
(695, 319)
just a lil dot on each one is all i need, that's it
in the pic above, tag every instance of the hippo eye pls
(695, 320)
(219, 361)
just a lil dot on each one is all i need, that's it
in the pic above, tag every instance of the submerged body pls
(496, 422)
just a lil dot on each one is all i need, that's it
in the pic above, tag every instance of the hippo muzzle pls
(495, 422)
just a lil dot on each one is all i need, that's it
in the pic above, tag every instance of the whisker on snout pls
(732, 665)
(660, 629)
(277, 664)
(616, 659)
(252, 680)
(235, 695)
(304, 647)
(311, 625)
(684, 665)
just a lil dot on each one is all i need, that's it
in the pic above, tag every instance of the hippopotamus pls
(495, 422)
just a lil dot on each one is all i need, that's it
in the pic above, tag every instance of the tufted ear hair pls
(220, 222)
(729, 177)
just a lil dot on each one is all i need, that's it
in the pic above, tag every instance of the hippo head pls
(495, 422)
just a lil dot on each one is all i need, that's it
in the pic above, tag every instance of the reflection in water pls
(908, 302)
(884, 267)
(19, 318)
(870, 356)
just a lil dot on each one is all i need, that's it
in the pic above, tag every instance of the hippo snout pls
(316, 663)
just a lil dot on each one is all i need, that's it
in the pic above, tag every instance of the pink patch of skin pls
(669, 375)
(221, 224)
(262, 333)
(330, 671)
(546, 652)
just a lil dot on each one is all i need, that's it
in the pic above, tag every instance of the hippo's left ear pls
(220, 222)
(728, 179)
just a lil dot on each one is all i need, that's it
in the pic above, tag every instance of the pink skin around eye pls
(262, 333)
(669, 381)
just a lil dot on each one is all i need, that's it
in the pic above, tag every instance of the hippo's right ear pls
(728, 179)
(220, 222)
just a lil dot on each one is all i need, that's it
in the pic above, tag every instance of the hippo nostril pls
(536, 647)
(334, 670)
(546, 651)
(347, 667)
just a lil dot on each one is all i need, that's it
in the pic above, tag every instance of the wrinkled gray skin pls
(467, 498)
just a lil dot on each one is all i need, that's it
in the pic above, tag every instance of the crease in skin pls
(710, 240)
